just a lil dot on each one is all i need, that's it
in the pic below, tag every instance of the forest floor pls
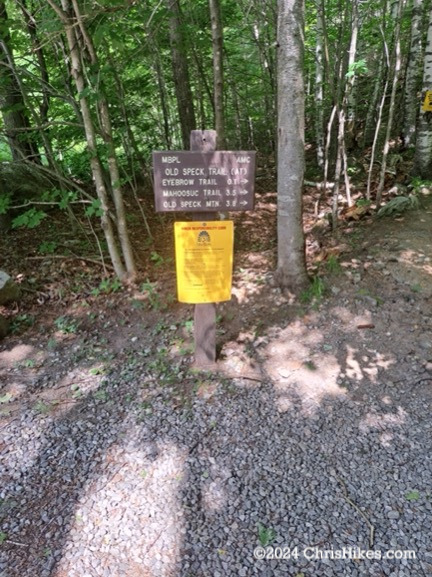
(84, 348)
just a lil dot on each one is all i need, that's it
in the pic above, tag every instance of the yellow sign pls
(204, 258)
(427, 103)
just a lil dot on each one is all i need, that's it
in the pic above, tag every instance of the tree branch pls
(62, 15)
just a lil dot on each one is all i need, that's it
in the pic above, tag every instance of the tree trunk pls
(96, 167)
(413, 75)
(218, 76)
(181, 73)
(350, 87)
(40, 55)
(423, 154)
(319, 85)
(395, 82)
(291, 271)
(12, 105)
(106, 131)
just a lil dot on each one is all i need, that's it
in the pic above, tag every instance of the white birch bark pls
(319, 85)
(413, 74)
(291, 270)
(423, 154)
(78, 76)
(113, 169)
(350, 88)
(395, 82)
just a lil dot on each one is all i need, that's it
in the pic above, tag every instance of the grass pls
(332, 265)
(314, 293)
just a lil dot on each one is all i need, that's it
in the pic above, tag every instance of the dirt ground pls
(72, 323)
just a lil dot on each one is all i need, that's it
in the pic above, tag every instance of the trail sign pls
(427, 102)
(204, 181)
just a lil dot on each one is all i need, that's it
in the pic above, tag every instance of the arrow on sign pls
(243, 191)
(243, 181)
(243, 202)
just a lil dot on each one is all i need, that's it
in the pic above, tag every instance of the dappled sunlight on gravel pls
(134, 499)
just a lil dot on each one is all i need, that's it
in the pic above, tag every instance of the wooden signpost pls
(204, 181)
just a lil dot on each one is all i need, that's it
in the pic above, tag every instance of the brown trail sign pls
(204, 181)
(215, 181)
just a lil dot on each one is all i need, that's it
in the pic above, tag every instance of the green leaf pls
(5, 398)
(4, 203)
(265, 535)
(94, 209)
(29, 219)
(85, 93)
(412, 496)
(3, 537)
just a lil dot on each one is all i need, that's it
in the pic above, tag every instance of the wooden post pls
(205, 314)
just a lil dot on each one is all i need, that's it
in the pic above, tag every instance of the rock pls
(394, 515)
(9, 291)
(4, 327)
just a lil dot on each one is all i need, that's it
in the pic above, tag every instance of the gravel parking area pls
(311, 441)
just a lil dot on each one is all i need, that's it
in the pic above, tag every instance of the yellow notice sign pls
(427, 102)
(204, 258)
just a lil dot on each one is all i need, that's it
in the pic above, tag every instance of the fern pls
(398, 205)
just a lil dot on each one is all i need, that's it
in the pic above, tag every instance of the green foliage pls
(21, 322)
(94, 209)
(29, 219)
(3, 537)
(159, 260)
(5, 155)
(5, 202)
(154, 299)
(76, 391)
(66, 324)
(418, 185)
(107, 286)
(266, 535)
(412, 496)
(315, 292)
(333, 265)
(47, 247)
(357, 68)
(44, 408)
(363, 202)
(399, 205)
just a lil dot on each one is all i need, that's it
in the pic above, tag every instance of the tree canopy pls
(88, 88)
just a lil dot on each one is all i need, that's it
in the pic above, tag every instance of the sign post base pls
(205, 335)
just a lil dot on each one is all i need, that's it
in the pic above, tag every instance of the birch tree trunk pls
(319, 84)
(413, 75)
(350, 87)
(291, 267)
(423, 153)
(107, 135)
(218, 76)
(78, 75)
(395, 82)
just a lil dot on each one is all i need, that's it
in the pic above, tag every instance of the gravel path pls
(156, 470)
(129, 487)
